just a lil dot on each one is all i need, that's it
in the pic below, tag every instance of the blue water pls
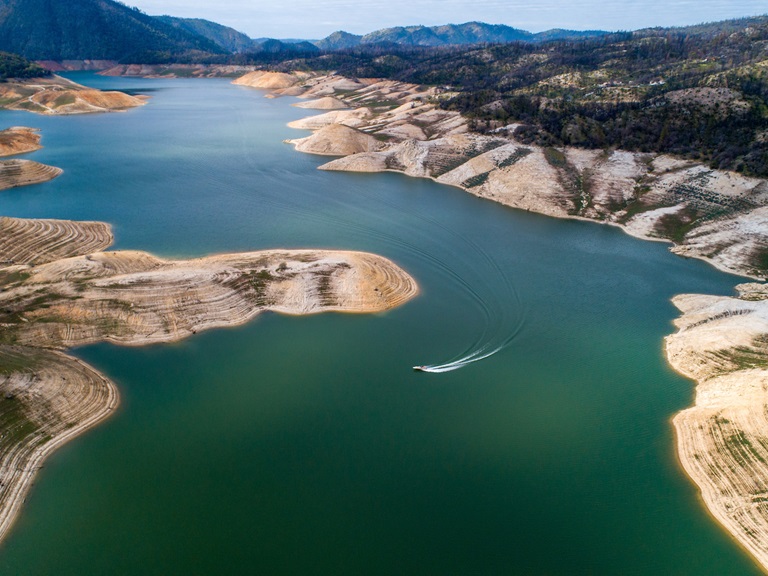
(308, 445)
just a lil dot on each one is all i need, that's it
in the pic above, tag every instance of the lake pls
(308, 445)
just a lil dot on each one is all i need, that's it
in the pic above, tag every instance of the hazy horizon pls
(274, 19)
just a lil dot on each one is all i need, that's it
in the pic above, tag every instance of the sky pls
(313, 19)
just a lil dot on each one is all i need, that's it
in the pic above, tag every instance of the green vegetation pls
(15, 426)
(226, 38)
(513, 158)
(742, 448)
(746, 357)
(14, 423)
(63, 100)
(7, 278)
(13, 66)
(476, 180)
(95, 29)
(555, 157)
(448, 34)
(676, 225)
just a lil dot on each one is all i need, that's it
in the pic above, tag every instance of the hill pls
(91, 29)
(225, 37)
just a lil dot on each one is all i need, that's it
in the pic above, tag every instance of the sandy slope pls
(14, 173)
(56, 95)
(337, 140)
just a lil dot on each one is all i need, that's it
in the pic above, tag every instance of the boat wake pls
(460, 363)
(496, 301)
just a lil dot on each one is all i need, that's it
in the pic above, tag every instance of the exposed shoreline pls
(650, 197)
(60, 289)
(59, 96)
(18, 471)
(135, 299)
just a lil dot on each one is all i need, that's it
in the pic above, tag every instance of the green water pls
(308, 445)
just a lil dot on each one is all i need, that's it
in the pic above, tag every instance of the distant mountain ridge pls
(449, 35)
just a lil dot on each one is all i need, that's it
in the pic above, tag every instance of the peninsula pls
(59, 288)
(57, 95)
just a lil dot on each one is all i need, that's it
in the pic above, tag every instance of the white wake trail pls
(460, 363)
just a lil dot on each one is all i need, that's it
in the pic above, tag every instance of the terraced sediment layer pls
(19, 140)
(324, 103)
(46, 398)
(722, 343)
(175, 70)
(28, 241)
(58, 95)
(14, 173)
(56, 292)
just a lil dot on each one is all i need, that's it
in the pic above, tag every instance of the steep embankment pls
(175, 70)
(57, 95)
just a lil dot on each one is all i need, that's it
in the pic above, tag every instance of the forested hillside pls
(91, 29)
(225, 37)
(13, 66)
(699, 92)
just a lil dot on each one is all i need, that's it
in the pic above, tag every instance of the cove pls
(308, 445)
